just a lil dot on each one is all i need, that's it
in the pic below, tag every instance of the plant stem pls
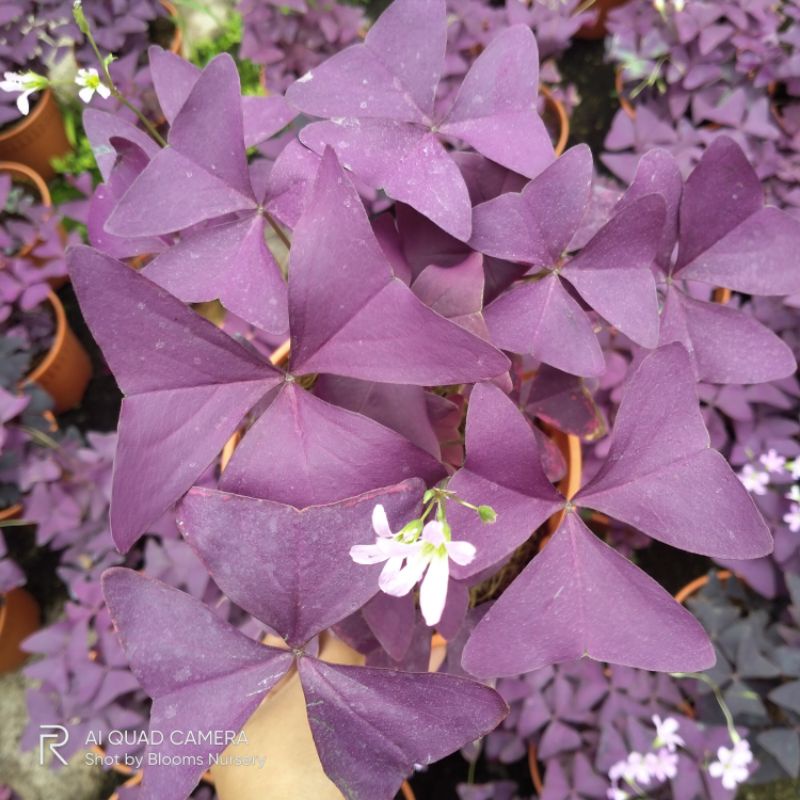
(278, 230)
(155, 135)
(726, 712)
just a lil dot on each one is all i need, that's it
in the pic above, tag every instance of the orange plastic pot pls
(20, 173)
(19, 618)
(556, 119)
(693, 587)
(177, 39)
(37, 138)
(619, 86)
(12, 512)
(279, 357)
(65, 371)
(597, 29)
(570, 447)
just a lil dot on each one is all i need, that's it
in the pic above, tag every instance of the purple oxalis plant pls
(379, 100)
(360, 409)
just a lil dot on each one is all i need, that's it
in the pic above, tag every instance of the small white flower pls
(773, 462)
(89, 80)
(792, 518)
(731, 764)
(637, 770)
(679, 5)
(754, 480)
(615, 793)
(25, 82)
(794, 467)
(793, 494)
(662, 765)
(426, 559)
(667, 733)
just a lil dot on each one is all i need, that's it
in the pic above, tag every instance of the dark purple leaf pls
(212, 687)
(361, 716)
(577, 598)
(266, 556)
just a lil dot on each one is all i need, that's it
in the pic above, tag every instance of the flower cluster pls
(420, 549)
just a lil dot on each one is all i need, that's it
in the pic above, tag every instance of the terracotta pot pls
(721, 295)
(619, 86)
(693, 587)
(279, 357)
(570, 447)
(37, 138)
(533, 768)
(19, 618)
(177, 39)
(12, 512)
(20, 173)
(597, 30)
(555, 112)
(65, 371)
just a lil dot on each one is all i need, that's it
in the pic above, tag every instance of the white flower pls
(25, 82)
(754, 480)
(388, 547)
(615, 793)
(792, 517)
(794, 467)
(89, 79)
(793, 494)
(773, 462)
(662, 765)
(636, 769)
(412, 558)
(667, 733)
(731, 764)
(679, 5)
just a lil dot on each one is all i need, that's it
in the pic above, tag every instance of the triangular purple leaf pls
(402, 58)
(343, 295)
(502, 469)
(265, 556)
(101, 127)
(362, 715)
(213, 688)
(348, 454)
(612, 273)
(182, 376)
(230, 262)
(495, 108)
(171, 194)
(541, 318)
(577, 598)
(660, 450)
(725, 345)
(536, 225)
(420, 171)
(173, 78)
